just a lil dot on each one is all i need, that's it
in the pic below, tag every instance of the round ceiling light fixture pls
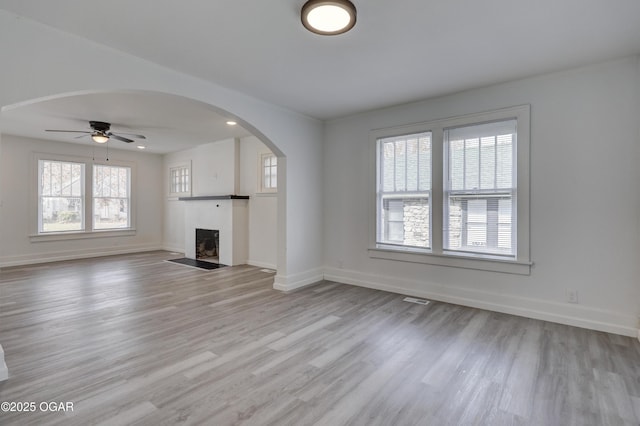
(328, 17)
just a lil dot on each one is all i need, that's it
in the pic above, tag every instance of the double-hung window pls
(404, 195)
(78, 196)
(61, 196)
(455, 192)
(480, 188)
(111, 199)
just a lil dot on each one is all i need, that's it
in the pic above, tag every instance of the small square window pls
(268, 172)
(180, 180)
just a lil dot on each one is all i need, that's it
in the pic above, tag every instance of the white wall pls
(263, 208)
(213, 168)
(213, 173)
(26, 45)
(585, 202)
(16, 176)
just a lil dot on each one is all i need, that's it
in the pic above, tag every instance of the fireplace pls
(207, 245)
(226, 216)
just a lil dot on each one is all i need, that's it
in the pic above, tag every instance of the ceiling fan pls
(100, 133)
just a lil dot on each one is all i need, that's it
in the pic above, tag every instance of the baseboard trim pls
(34, 259)
(259, 264)
(4, 371)
(297, 281)
(562, 313)
(176, 249)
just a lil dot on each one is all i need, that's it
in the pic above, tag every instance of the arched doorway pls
(173, 124)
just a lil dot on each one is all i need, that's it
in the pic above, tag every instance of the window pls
(180, 180)
(479, 188)
(268, 173)
(76, 196)
(111, 187)
(455, 192)
(404, 190)
(61, 201)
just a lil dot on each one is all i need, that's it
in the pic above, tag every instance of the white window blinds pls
(480, 188)
(404, 190)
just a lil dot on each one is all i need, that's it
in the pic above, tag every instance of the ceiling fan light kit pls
(328, 17)
(99, 137)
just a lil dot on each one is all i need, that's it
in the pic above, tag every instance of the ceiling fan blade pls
(120, 138)
(133, 135)
(68, 131)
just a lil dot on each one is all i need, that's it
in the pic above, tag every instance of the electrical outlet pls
(572, 296)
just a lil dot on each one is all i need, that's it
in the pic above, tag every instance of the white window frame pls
(489, 195)
(41, 197)
(436, 255)
(400, 194)
(95, 197)
(88, 232)
(262, 188)
(178, 168)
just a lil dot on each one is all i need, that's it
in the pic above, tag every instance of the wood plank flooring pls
(136, 340)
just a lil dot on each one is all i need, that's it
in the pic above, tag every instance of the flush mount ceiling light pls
(328, 17)
(231, 123)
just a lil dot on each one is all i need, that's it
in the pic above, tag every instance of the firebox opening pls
(207, 245)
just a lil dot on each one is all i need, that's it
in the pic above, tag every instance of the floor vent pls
(414, 300)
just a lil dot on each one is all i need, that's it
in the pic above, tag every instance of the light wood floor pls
(136, 340)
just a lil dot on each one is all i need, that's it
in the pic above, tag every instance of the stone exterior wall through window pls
(416, 222)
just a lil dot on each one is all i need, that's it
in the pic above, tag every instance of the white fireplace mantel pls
(226, 213)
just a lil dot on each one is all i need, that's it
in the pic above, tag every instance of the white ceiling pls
(169, 123)
(399, 51)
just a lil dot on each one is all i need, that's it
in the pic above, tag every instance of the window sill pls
(452, 260)
(63, 236)
(266, 194)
